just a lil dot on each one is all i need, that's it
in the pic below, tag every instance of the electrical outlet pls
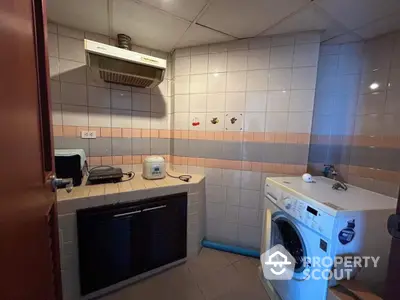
(91, 134)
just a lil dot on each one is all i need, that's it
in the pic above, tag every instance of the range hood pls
(123, 66)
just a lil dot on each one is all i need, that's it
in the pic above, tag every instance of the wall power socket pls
(91, 134)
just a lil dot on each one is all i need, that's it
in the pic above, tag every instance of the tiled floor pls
(213, 275)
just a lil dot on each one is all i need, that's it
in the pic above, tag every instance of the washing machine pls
(313, 221)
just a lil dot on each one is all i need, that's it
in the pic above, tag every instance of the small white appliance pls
(313, 220)
(307, 178)
(153, 167)
(123, 66)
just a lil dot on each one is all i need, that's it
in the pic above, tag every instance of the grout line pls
(194, 22)
(285, 18)
(227, 34)
(110, 18)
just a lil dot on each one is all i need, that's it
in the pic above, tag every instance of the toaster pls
(70, 163)
(153, 167)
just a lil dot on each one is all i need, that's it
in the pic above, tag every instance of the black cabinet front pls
(165, 240)
(117, 242)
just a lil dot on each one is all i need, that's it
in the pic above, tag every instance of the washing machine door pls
(284, 232)
(280, 229)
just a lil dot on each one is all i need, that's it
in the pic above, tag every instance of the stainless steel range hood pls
(123, 66)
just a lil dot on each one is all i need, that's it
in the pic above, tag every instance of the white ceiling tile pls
(247, 18)
(187, 9)
(357, 13)
(310, 17)
(379, 27)
(333, 31)
(343, 38)
(147, 26)
(198, 35)
(89, 15)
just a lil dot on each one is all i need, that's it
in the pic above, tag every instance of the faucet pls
(330, 171)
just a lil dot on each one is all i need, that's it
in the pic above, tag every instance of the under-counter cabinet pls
(117, 242)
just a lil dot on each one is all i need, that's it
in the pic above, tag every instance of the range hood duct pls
(122, 66)
(124, 41)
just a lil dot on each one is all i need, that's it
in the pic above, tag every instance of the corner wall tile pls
(70, 32)
(71, 71)
(72, 49)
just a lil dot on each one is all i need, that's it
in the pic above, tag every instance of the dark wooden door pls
(392, 280)
(29, 260)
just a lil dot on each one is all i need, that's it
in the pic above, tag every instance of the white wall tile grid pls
(356, 95)
(272, 85)
(255, 78)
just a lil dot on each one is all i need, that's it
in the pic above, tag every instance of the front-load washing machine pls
(313, 221)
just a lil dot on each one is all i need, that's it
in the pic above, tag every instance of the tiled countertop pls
(136, 189)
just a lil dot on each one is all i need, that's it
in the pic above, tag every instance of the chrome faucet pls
(330, 171)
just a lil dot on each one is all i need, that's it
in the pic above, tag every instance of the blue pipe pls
(231, 249)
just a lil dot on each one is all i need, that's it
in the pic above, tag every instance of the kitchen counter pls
(137, 189)
(134, 189)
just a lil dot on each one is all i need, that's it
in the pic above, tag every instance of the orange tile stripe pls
(378, 174)
(270, 137)
(120, 160)
(239, 165)
(358, 140)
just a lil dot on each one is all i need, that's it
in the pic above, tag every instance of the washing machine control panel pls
(307, 214)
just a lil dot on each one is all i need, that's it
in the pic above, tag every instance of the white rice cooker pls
(153, 167)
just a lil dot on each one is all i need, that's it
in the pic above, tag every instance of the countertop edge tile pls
(130, 191)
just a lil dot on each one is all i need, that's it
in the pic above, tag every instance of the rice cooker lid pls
(154, 159)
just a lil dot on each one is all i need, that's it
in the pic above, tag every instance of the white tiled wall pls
(345, 105)
(271, 81)
(255, 75)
